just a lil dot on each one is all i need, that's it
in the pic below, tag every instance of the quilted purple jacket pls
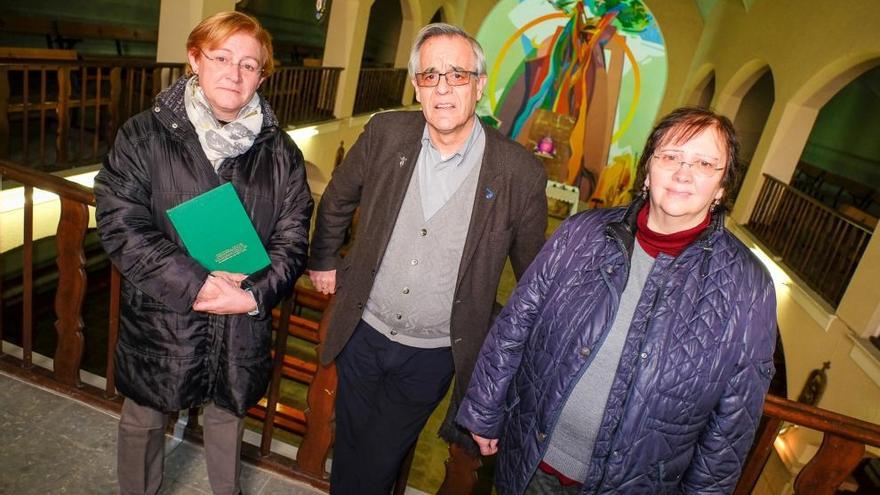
(695, 368)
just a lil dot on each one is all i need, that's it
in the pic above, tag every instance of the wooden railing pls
(302, 94)
(843, 446)
(56, 114)
(379, 89)
(820, 245)
(312, 423)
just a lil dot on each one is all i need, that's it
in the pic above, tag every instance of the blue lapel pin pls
(490, 194)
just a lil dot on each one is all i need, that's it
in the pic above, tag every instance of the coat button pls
(413, 262)
(643, 355)
(540, 436)
(174, 125)
(585, 351)
(423, 232)
(405, 290)
(393, 332)
(157, 109)
(398, 316)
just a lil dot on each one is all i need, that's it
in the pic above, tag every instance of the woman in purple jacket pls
(635, 353)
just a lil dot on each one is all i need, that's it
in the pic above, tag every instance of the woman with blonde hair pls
(189, 337)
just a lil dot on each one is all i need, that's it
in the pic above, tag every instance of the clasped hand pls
(222, 295)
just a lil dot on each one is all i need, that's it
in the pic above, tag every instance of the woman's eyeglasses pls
(673, 160)
(247, 66)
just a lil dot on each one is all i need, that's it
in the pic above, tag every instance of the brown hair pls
(213, 30)
(682, 125)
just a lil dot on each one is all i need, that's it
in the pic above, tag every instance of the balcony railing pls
(56, 115)
(32, 300)
(843, 445)
(379, 89)
(820, 245)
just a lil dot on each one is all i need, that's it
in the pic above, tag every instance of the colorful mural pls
(579, 82)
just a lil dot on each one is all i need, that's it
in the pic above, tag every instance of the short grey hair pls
(443, 29)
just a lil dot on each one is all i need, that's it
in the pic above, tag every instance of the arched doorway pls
(704, 92)
(751, 117)
(383, 33)
(840, 162)
(439, 16)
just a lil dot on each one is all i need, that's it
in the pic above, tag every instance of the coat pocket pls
(670, 471)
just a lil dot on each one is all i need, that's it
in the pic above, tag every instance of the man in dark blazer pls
(443, 202)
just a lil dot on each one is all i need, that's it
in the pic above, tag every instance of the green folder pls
(218, 233)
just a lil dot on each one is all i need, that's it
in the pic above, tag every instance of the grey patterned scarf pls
(219, 141)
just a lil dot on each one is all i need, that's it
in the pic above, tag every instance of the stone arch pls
(702, 93)
(793, 120)
(729, 98)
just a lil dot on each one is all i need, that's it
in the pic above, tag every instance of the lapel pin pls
(402, 161)
(490, 194)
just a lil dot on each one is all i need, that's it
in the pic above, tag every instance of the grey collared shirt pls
(439, 178)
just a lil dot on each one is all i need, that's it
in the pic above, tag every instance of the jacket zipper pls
(552, 425)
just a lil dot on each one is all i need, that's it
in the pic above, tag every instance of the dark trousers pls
(140, 453)
(386, 393)
(546, 484)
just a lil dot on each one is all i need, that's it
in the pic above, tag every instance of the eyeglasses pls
(673, 160)
(247, 66)
(453, 78)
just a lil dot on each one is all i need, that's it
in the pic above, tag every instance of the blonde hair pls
(213, 30)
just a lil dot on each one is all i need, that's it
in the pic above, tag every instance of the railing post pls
(836, 459)
(761, 449)
(281, 334)
(63, 111)
(71, 290)
(4, 113)
(315, 446)
(114, 107)
(27, 280)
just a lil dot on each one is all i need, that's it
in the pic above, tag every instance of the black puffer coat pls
(695, 367)
(170, 357)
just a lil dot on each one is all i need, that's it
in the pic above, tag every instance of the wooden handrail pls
(843, 445)
(74, 108)
(822, 420)
(47, 182)
(815, 202)
(817, 243)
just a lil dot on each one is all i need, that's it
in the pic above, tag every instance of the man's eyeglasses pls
(247, 66)
(453, 78)
(673, 160)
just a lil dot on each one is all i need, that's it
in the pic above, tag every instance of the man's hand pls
(324, 281)
(488, 446)
(222, 295)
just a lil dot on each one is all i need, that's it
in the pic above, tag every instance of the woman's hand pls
(488, 446)
(222, 295)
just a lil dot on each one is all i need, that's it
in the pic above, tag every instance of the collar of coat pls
(624, 230)
(172, 99)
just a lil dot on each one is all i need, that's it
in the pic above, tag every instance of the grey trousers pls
(140, 453)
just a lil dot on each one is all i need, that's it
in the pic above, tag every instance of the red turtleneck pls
(672, 244)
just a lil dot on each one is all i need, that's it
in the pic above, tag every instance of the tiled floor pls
(51, 444)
